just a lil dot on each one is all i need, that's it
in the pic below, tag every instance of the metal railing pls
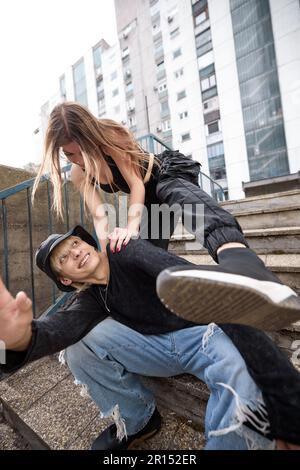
(154, 145)
(149, 142)
(24, 190)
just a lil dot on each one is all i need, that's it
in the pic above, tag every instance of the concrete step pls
(288, 216)
(266, 201)
(10, 439)
(44, 405)
(278, 240)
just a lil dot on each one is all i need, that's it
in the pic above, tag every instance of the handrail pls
(5, 194)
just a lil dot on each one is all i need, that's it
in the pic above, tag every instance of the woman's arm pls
(95, 205)
(136, 203)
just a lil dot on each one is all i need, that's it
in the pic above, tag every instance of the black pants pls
(218, 226)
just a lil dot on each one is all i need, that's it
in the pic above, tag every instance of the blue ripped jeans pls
(110, 358)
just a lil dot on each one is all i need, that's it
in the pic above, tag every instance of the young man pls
(116, 328)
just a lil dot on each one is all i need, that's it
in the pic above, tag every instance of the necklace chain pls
(105, 297)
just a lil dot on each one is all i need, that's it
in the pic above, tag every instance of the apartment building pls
(217, 79)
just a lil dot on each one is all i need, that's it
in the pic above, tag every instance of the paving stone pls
(29, 384)
(59, 416)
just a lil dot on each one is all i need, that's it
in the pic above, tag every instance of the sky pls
(39, 40)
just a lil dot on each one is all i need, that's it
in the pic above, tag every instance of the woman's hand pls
(15, 319)
(120, 237)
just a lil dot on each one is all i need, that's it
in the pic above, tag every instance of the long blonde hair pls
(72, 122)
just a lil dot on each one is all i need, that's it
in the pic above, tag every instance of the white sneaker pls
(205, 296)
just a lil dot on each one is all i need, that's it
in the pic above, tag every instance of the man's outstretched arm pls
(15, 319)
(26, 339)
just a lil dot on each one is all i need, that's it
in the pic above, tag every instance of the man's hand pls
(15, 319)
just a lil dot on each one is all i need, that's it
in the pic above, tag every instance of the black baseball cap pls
(43, 253)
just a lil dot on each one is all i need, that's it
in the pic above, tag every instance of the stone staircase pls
(43, 404)
(271, 224)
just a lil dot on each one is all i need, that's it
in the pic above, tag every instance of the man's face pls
(75, 260)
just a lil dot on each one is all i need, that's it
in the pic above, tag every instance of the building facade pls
(217, 79)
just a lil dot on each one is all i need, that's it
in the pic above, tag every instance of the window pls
(215, 150)
(125, 53)
(132, 121)
(172, 14)
(174, 33)
(208, 83)
(97, 56)
(130, 104)
(164, 107)
(162, 87)
(158, 52)
(156, 27)
(166, 125)
(249, 13)
(183, 115)
(115, 92)
(259, 87)
(126, 31)
(203, 16)
(80, 82)
(129, 87)
(185, 137)
(213, 127)
(207, 71)
(216, 161)
(154, 9)
(101, 104)
(178, 73)
(99, 85)
(181, 95)
(177, 53)
(257, 63)
(209, 93)
(203, 42)
(263, 114)
(117, 109)
(211, 104)
(114, 75)
(160, 66)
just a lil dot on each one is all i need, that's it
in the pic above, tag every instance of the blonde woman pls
(104, 153)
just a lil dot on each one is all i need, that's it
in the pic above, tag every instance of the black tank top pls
(119, 183)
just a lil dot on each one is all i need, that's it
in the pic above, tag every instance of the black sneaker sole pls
(205, 300)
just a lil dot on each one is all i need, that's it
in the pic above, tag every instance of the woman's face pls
(73, 153)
